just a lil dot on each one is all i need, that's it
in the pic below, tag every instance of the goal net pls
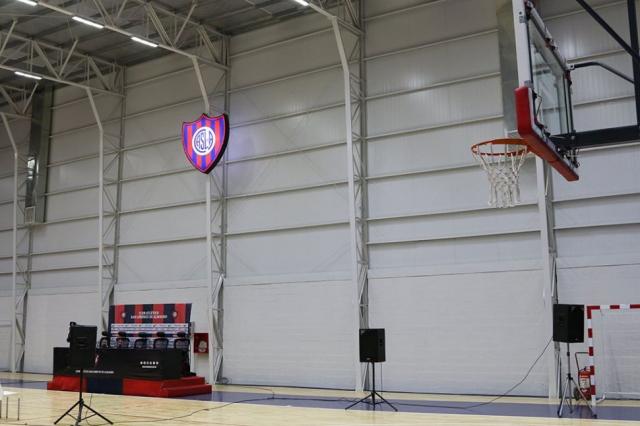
(614, 349)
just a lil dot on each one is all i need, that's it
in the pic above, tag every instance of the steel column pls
(14, 290)
(544, 196)
(355, 182)
(100, 206)
(549, 256)
(633, 37)
(215, 190)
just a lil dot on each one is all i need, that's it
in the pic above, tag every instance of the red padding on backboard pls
(527, 129)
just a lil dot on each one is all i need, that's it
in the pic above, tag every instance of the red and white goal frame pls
(592, 368)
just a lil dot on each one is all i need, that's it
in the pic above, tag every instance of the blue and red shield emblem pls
(205, 140)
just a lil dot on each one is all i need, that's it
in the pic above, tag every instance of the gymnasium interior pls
(319, 212)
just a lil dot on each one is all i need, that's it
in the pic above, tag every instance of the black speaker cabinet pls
(372, 345)
(568, 323)
(82, 346)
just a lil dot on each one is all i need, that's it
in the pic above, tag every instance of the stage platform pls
(185, 386)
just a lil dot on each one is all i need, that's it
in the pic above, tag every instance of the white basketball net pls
(502, 162)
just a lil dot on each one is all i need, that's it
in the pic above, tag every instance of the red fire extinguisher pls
(584, 379)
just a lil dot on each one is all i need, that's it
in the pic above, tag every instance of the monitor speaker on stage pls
(372, 345)
(568, 323)
(82, 346)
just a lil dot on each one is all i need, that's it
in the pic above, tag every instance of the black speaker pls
(568, 323)
(82, 346)
(372, 345)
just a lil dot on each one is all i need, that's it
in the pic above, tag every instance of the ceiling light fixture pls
(302, 2)
(29, 2)
(88, 22)
(24, 74)
(143, 41)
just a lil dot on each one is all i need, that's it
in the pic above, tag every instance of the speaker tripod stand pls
(566, 390)
(373, 393)
(81, 406)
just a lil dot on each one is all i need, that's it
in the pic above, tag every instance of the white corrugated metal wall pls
(458, 286)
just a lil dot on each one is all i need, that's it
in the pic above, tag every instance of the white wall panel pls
(171, 189)
(6, 216)
(61, 260)
(602, 172)
(438, 191)
(153, 225)
(301, 131)
(80, 114)
(594, 83)
(434, 64)
(288, 97)
(288, 209)
(473, 333)
(579, 35)
(70, 93)
(462, 251)
(605, 114)
(380, 7)
(556, 8)
(6, 242)
(609, 240)
(161, 124)
(48, 325)
(154, 158)
(325, 250)
(177, 261)
(76, 174)
(158, 68)
(601, 285)
(431, 149)
(169, 90)
(439, 105)
(291, 324)
(243, 43)
(72, 204)
(294, 170)
(53, 280)
(439, 21)
(78, 143)
(444, 225)
(598, 211)
(305, 54)
(65, 236)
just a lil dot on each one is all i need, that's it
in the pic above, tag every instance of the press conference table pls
(155, 364)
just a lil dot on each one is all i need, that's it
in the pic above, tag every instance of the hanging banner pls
(168, 318)
(204, 141)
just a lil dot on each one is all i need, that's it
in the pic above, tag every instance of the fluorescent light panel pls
(24, 74)
(87, 22)
(143, 41)
(29, 2)
(302, 2)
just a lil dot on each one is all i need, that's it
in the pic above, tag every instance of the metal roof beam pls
(42, 60)
(155, 14)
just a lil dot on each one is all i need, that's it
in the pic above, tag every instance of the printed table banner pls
(168, 318)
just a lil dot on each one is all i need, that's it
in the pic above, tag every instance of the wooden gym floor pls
(259, 406)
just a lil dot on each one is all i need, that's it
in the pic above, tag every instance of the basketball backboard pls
(543, 98)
